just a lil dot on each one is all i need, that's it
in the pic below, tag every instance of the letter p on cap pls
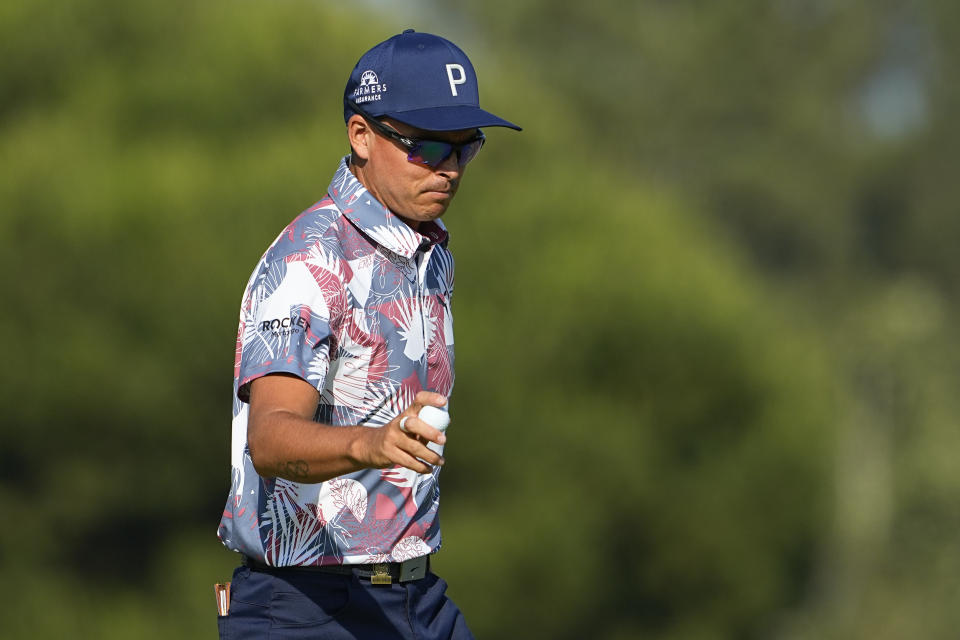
(454, 81)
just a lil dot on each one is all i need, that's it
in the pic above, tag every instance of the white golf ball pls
(438, 418)
(435, 417)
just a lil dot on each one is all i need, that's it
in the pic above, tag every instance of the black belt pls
(383, 573)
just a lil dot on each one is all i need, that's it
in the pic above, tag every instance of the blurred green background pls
(706, 372)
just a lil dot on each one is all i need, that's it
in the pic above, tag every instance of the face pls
(414, 192)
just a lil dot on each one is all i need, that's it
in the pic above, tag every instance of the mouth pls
(446, 187)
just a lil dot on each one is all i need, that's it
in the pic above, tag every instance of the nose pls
(450, 167)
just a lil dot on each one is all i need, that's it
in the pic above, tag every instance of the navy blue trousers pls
(294, 605)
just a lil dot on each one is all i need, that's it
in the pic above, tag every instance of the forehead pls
(461, 135)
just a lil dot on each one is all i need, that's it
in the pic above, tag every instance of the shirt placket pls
(421, 260)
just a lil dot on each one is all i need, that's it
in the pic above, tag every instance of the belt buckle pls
(381, 575)
(413, 569)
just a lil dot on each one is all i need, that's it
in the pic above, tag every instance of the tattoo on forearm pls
(295, 469)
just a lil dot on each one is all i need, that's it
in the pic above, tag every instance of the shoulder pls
(314, 230)
(308, 250)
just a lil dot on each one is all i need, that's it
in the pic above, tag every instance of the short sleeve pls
(285, 323)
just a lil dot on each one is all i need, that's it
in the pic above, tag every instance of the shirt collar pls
(376, 221)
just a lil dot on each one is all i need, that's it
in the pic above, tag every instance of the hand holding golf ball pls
(436, 417)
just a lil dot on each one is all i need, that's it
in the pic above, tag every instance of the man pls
(345, 334)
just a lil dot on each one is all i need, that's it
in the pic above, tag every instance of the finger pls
(430, 398)
(419, 450)
(414, 463)
(416, 427)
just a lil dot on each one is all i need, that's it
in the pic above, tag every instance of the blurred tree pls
(816, 136)
(649, 449)
(149, 148)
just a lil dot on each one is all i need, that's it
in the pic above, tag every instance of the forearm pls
(285, 445)
(285, 442)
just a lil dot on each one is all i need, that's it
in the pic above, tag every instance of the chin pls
(431, 213)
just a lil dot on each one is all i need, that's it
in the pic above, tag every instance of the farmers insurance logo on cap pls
(370, 88)
(432, 85)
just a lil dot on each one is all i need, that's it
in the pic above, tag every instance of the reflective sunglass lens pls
(434, 152)
(469, 151)
(431, 152)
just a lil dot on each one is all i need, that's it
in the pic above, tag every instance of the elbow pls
(262, 468)
(258, 448)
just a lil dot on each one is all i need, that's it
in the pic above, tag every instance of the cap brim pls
(451, 118)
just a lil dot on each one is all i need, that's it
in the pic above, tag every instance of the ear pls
(360, 135)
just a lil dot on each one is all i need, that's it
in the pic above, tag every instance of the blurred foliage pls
(705, 373)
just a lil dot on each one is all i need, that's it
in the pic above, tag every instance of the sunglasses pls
(431, 153)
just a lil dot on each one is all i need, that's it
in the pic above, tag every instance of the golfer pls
(345, 335)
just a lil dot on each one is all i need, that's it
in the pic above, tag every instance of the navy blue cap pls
(422, 80)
